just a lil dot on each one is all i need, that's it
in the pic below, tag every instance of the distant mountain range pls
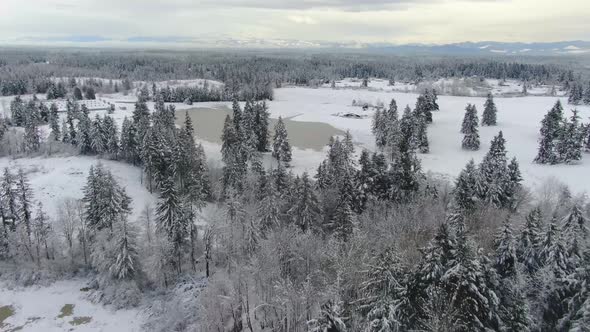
(466, 48)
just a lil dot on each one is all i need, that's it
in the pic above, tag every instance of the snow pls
(518, 118)
(471, 86)
(38, 308)
(55, 178)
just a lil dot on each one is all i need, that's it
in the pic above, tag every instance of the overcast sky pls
(391, 21)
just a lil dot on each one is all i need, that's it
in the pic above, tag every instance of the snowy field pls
(519, 118)
(61, 307)
(56, 178)
(451, 86)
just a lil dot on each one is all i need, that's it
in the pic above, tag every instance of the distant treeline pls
(251, 75)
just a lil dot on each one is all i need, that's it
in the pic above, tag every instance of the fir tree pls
(465, 192)
(569, 147)
(530, 241)
(421, 135)
(550, 132)
(9, 198)
(24, 202)
(32, 138)
(126, 252)
(305, 211)
(489, 112)
(382, 292)
(469, 119)
(261, 126)
(505, 252)
(54, 122)
(281, 147)
(470, 123)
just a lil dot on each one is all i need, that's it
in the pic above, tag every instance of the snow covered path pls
(61, 307)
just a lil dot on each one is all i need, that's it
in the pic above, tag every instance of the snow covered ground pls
(518, 118)
(55, 178)
(472, 86)
(62, 306)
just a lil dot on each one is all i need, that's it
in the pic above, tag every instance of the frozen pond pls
(208, 123)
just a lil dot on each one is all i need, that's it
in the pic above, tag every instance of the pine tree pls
(465, 192)
(569, 147)
(17, 111)
(170, 219)
(470, 123)
(512, 187)
(9, 199)
(262, 118)
(305, 212)
(494, 174)
(24, 202)
(550, 132)
(126, 251)
(529, 242)
(468, 290)
(281, 147)
(505, 252)
(469, 119)
(54, 122)
(382, 292)
(378, 128)
(77, 94)
(489, 112)
(422, 135)
(32, 136)
(237, 116)
(576, 233)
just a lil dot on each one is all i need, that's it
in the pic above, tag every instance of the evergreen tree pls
(513, 185)
(77, 94)
(469, 119)
(569, 147)
(494, 175)
(281, 147)
(262, 118)
(470, 123)
(421, 135)
(24, 202)
(465, 192)
(9, 198)
(505, 252)
(382, 292)
(32, 138)
(305, 212)
(489, 112)
(17, 111)
(170, 220)
(54, 122)
(550, 132)
(126, 252)
(529, 242)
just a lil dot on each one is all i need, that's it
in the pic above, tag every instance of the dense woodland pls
(367, 243)
(252, 75)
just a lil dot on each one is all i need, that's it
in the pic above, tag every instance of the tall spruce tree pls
(489, 112)
(281, 148)
(550, 132)
(469, 128)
